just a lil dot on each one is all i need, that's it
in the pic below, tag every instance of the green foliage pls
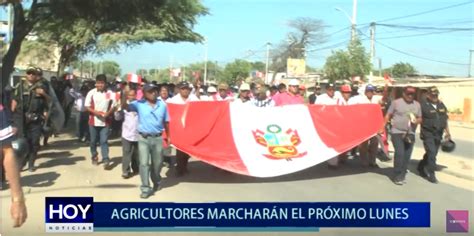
(342, 65)
(401, 70)
(235, 71)
(258, 65)
(110, 68)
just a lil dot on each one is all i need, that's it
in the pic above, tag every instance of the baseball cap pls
(223, 86)
(294, 82)
(330, 85)
(149, 87)
(244, 87)
(34, 70)
(433, 90)
(183, 84)
(346, 88)
(370, 88)
(212, 89)
(302, 87)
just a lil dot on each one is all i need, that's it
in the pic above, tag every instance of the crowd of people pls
(138, 112)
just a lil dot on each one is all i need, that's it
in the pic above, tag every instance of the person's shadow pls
(39, 180)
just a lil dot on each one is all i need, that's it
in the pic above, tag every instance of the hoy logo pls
(69, 214)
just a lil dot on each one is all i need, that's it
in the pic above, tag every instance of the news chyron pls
(69, 214)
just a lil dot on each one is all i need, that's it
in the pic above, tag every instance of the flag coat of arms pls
(267, 142)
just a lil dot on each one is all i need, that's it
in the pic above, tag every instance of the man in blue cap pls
(153, 119)
(368, 149)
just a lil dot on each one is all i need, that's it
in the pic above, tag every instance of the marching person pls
(434, 124)
(30, 106)
(211, 94)
(223, 93)
(244, 94)
(130, 163)
(329, 99)
(82, 129)
(368, 149)
(184, 96)
(405, 115)
(317, 91)
(292, 96)
(262, 100)
(101, 105)
(343, 101)
(153, 120)
(9, 164)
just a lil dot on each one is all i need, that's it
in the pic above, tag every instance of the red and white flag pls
(134, 78)
(266, 142)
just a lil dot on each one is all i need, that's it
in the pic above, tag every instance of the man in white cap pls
(292, 96)
(329, 98)
(211, 94)
(244, 94)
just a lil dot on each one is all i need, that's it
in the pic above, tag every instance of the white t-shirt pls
(100, 101)
(362, 99)
(324, 99)
(177, 99)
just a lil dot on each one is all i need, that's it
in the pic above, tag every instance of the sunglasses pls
(30, 73)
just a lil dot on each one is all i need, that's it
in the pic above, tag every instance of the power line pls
(426, 12)
(415, 56)
(424, 27)
(415, 35)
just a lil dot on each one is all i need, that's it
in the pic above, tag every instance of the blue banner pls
(261, 215)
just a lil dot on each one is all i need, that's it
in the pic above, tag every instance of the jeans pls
(150, 151)
(130, 156)
(402, 155)
(82, 119)
(103, 134)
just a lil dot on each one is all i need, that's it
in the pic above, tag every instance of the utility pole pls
(372, 49)
(354, 19)
(380, 67)
(205, 61)
(470, 63)
(266, 64)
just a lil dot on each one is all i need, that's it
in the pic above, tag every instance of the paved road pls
(65, 170)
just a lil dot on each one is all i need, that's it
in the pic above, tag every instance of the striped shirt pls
(263, 103)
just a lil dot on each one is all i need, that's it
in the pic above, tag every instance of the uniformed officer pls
(30, 107)
(434, 124)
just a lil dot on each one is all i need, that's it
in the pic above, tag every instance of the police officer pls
(30, 107)
(434, 124)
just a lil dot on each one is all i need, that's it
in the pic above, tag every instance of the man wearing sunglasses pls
(292, 96)
(405, 115)
(435, 123)
(30, 107)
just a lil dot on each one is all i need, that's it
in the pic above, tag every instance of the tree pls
(236, 71)
(307, 32)
(35, 53)
(401, 70)
(80, 27)
(342, 65)
(142, 72)
(337, 66)
(110, 68)
(258, 65)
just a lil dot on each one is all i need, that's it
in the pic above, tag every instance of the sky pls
(239, 29)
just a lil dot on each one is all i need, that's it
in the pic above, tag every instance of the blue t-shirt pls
(150, 119)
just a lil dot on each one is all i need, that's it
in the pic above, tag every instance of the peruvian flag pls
(266, 142)
(134, 78)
